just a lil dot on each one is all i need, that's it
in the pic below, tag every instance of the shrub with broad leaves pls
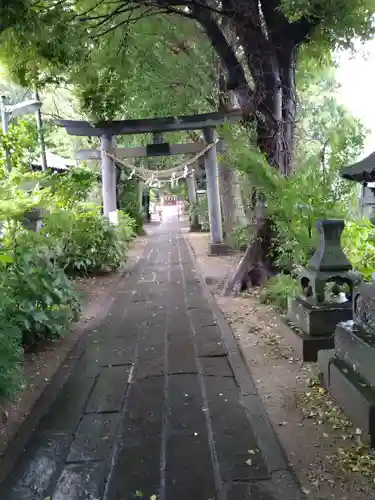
(85, 242)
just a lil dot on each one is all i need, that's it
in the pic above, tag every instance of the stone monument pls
(32, 219)
(348, 369)
(326, 290)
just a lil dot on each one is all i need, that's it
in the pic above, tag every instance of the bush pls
(85, 242)
(44, 301)
(201, 210)
(296, 202)
(10, 350)
(278, 289)
(130, 203)
(358, 242)
(126, 227)
(70, 187)
(240, 237)
(37, 302)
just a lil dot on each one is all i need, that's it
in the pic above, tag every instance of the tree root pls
(254, 269)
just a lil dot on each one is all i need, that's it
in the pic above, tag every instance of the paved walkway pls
(153, 406)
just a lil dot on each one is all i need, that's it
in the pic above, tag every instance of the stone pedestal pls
(318, 320)
(316, 324)
(348, 370)
(351, 392)
(219, 249)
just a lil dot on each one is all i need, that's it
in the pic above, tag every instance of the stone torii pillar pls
(217, 246)
(108, 178)
(192, 193)
(140, 196)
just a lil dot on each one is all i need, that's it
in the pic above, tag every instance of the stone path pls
(154, 405)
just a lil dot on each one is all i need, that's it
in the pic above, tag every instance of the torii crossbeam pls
(149, 125)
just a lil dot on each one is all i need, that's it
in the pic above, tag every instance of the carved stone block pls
(349, 373)
(364, 307)
(318, 320)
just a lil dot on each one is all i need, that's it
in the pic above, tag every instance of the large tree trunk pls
(273, 70)
(270, 44)
(230, 190)
(230, 193)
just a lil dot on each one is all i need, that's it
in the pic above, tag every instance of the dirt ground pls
(40, 367)
(322, 446)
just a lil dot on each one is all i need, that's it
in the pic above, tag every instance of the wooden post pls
(108, 179)
(213, 194)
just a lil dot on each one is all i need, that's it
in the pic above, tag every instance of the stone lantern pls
(326, 290)
(32, 220)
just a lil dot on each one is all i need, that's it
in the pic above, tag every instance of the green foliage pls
(130, 202)
(44, 300)
(10, 350)
(161, 65)
(278, 289)
(340, 23)
(19, 143)
(179, 190)
(126, 227)
(328, 138)
(71, 187)
(85, 242)
(42, 43)
(201, 210)
(294, 204)
(155, 56)
(327, 133)
(359, 246)
(38, 302)
(240, 237)
(11, 11)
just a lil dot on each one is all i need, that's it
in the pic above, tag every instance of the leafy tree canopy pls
(338, 22)
(159, 64)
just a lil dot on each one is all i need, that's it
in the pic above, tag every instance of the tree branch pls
(273, 16)
(210, 25)
(301, 30)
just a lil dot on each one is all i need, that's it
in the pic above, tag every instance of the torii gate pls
(157, 126)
